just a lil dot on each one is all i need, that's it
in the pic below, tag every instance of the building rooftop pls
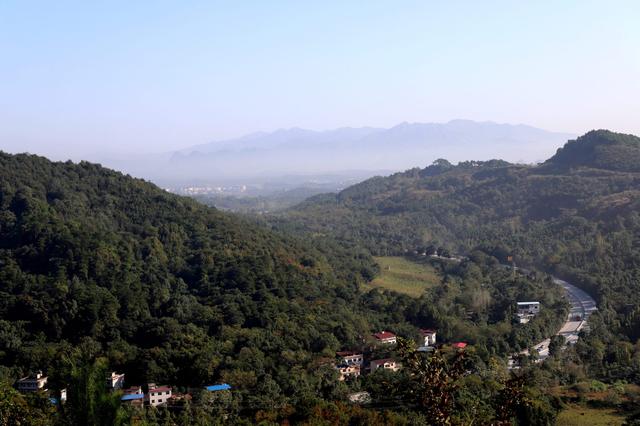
(384, 335)
(223, 386)
(132, 397)
(382, 361)
(528, 303)
(425, 331)
(348, 353)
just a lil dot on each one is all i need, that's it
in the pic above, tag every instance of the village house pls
(350, 358)
(133, 396)
(428, 336)
(346, 371)
(527, 310)
(158, 395)
(387, 364)
(33, 383)
(385, 337)
(115, 381)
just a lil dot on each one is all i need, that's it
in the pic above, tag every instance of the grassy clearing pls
(578, 415)
(404, 276)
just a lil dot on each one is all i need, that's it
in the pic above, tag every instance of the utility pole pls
(513, 266)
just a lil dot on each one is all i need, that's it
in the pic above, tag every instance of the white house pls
(527, 310)
(351, 358)
(33, 383)
(387, 364)
(158, 395)
(428, 336)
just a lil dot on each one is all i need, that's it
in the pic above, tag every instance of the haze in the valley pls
(347, 151)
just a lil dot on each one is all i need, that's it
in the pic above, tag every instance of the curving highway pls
(582, 306)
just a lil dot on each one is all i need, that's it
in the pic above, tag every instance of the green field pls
(577, 415)
(404, 276)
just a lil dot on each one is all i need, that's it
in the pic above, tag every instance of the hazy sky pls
(83, 77)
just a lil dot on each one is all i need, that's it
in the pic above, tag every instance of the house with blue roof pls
(215, 388)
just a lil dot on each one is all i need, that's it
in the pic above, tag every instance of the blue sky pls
(82, 77)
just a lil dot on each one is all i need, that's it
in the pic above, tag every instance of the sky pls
(82, 78)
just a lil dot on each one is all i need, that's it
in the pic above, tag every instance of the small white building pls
(387, 364)
(33, 383)
(158, 395)
(115, 381)
(527, 310)
(428, 336)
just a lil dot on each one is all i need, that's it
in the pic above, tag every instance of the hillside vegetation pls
(101, 271)
(576, 215)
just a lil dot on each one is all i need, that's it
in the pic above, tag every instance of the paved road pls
(582, 306)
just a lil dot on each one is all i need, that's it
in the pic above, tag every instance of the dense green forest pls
(100, 271)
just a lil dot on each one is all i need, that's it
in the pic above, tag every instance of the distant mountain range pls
(400, 147)
(304, 155)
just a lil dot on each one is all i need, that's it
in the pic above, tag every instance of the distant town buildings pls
(33, 383)
(385, 337)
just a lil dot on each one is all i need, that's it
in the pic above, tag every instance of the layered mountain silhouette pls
(403, 146)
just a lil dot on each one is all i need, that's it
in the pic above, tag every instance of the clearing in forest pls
(404, 276)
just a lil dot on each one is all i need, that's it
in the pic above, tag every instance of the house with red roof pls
(459, 345)
(158, 395)
(385, 337)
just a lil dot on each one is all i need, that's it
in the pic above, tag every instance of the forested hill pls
(576, 215)
(600, 149)
(155, 281)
